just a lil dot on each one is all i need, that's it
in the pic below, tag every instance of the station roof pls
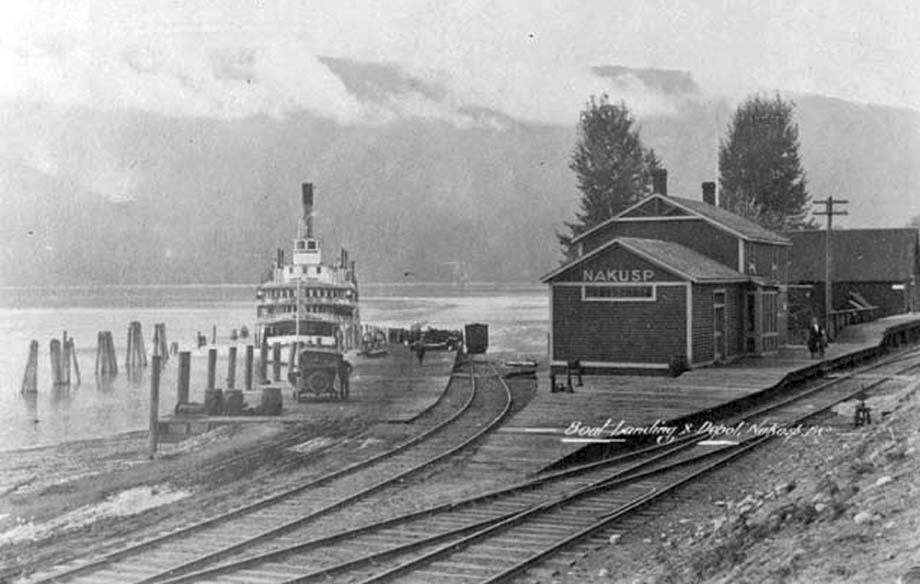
(673, 257)
(859, 255)
(734, 224)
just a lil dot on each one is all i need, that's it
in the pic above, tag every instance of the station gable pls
(655, 207)
(616, 265)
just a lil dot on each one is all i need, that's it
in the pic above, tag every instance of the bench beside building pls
(669, 280)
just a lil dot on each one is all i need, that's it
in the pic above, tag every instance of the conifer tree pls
(761, 175)
(612, 167)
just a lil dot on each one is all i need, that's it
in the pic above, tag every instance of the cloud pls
(177, 77)
(276, 75)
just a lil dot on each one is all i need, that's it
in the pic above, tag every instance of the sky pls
(528, 59)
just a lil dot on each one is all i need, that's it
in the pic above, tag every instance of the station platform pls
(536, 436)
(391, 388)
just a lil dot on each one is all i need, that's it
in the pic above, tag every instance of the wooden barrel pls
(271, 401)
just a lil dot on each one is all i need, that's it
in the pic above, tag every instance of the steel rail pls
(265, 501)
(300, 521)
(735, 452)
(491, 522)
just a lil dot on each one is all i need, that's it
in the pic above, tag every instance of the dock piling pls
(73, 358)
(185, 369)
(212, 368)
(276, 362)
(55, 352)
(159, 341)
(106, 362)
(247, 379)
(263, 364)
(65, 360)
(292, 358)
(154, 406)
(30, 378)
(231, 369)
(135, 354)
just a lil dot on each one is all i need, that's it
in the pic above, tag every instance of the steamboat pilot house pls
(306, 300)
(669, 283)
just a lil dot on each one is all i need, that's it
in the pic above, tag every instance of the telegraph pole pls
(829, 210)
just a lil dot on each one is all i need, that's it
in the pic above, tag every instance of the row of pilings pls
(65, 369)
(64, 360)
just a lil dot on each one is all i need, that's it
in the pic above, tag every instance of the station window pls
(618, 293)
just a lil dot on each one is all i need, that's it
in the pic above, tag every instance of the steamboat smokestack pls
(307, 202)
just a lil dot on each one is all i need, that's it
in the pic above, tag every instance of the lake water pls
(517, 316)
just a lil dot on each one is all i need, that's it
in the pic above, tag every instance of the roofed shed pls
(881, 266)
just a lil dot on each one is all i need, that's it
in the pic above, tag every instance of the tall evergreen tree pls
(612, 167)
(761, 175)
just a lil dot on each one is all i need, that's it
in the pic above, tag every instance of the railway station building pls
(869, 267)
(669, 282)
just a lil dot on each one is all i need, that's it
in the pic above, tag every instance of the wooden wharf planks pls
(532, 439)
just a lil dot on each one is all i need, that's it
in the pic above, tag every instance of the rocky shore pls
(840, 507)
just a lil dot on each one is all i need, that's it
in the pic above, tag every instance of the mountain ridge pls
(124, 197)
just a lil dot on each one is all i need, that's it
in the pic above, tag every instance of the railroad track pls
(253, 527)
(496, 536)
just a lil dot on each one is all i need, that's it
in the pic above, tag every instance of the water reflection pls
(31, 402)
(105, 383)
(61, 396)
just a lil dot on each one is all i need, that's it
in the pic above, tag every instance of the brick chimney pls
(709, 193)
(660, 181)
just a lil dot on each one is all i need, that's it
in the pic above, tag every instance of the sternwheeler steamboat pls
(307, 301)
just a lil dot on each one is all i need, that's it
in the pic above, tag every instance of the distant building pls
(666, 281)
(880, 266)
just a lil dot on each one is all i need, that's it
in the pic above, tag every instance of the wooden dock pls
(395, 388)
(536, 436)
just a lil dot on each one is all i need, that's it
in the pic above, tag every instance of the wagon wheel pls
(320, 381)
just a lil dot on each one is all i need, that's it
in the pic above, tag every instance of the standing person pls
(344, 372)
(817, 339)
(420, 351)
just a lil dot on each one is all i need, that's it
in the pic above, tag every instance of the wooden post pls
(98, 351)
(292, 354)
(65, 360)
(140, 345)
(231, 369)
(276, 362)
(110, 367)
(55, 352)
(129, 349)
(159, 341)
(185, 370)
(30, 378)
(263, 363)
(154, 406)
(212, 367)
(73, 357)
(247, 376)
